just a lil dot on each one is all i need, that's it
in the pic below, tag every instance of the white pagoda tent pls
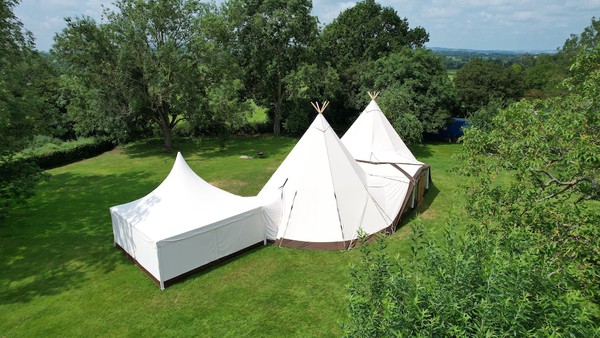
(185, 224)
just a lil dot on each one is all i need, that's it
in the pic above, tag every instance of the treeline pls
(455, 59)
(152, 66)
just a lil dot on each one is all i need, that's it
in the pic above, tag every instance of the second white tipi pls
(318, 197)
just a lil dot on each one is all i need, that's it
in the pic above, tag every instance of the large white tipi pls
(375, 144)
(318, 197)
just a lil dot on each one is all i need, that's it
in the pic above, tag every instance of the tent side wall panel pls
(235, 234)
(243, 233)
(145, 253)
(122, 233)
(181, 256)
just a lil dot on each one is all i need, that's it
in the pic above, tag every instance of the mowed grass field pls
(61, 276)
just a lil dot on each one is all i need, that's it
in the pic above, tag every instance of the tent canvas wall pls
(318, 197)
(390, 187)
(184, 224)
(372, 139)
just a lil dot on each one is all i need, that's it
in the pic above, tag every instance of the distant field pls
(452, 74)
(61, 276)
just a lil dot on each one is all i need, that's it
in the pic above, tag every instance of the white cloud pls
(441, 12)
(52, 22)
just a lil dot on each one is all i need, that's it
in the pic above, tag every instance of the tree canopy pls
(20, 104)
(148, 54)
(273, 39)
(479, 82)
(415, 91)
(366, 32)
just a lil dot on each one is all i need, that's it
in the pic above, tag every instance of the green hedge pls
(67, 152)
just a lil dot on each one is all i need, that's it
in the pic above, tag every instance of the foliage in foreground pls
(528, 263)
(484, 282)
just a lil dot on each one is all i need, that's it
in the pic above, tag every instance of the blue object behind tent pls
(452, 132)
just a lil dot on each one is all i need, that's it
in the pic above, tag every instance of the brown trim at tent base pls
(184, 275)
(341, 245)
(417, 183)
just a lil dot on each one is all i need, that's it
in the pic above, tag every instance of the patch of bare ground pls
(229, 183)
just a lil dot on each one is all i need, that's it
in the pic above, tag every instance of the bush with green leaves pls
(484, 282)
(54, 154)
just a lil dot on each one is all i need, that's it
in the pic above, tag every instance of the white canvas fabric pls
(319, 194)
(185, 223)
(385, 158)
(371, 138)
(389, 186)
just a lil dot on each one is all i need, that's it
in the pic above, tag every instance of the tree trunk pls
(278, 104)
(167, 134)
(166, 127)
(277, 120)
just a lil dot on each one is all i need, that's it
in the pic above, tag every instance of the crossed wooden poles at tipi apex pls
(373, 95)
(320, 109)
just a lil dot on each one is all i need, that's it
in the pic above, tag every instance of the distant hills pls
(445, 51)
(455, 58)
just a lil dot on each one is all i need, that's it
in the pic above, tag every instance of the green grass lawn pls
(61, 276)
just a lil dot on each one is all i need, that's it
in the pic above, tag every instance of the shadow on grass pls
(428, 199)
(421, 151)
(209, 147)
(50, 245)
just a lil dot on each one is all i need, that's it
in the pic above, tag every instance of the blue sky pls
(472, 24)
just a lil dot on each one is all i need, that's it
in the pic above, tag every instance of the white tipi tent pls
(184, 224)
(319, 197)
(373, 141)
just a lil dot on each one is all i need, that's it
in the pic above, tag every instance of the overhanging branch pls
(566, 185)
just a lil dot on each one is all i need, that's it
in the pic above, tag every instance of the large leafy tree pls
(544, 76)
(141, 67)
(226, 110)
(480, 82)
(93, 82)
(368, 31)
(19, 107)
(415, 91)
(273, 39)
(359, 36)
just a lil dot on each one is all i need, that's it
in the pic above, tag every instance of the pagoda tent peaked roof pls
(371, 138)
(185, 223)
(319, 195)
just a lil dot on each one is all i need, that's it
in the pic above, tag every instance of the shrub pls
(484, 282)
(52, 155)
(17, 182)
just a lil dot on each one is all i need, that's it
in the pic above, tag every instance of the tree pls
(545, 76)
(366, 32)
(480, 82)
(310, 83)
(359, 36)
(143, 66)
(273, 37)
(483, 282)
(225, 110)
(19, 106)
(96, 85)
(415, 91)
